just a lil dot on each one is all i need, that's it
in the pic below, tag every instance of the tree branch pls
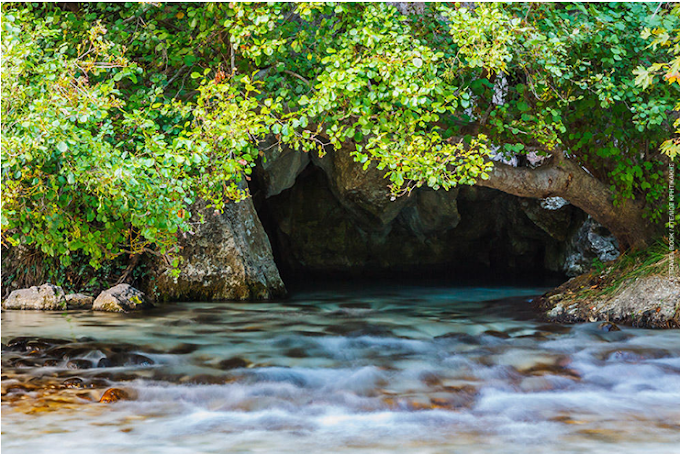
(563, 177)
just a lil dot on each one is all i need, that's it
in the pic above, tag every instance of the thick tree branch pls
(563, 177)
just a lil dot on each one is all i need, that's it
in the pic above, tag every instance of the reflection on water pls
(411, 369)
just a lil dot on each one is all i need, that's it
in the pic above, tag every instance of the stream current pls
(403, 369)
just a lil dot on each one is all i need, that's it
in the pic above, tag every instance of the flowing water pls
(409, 369)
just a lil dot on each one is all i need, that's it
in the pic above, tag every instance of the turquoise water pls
(375, 369)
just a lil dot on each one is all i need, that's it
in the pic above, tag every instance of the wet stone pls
(204, 379)
(79, 364)
(233, 363)
(21, 363)
(73, 382)
(296, 353)
(17, 388)
(18, 344)
(498, 334)
(430, 379)
(554, 328)
(183, 349)
(608, 327)
(114, 376)
(113, 395)
(126, 359)
(67, 352)
(459, 337)
(207, 319)
(37, 346)
(636, 355)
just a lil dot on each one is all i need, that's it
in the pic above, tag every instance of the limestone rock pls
(228, 256)
(462, 230)
(645, 302)
(433, 211)
(552, 215)
(280, 167)
(591, 241)
(121, 298)
(365, 193)
(79, 301)
(46, 297)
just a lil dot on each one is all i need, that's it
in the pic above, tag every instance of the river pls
(406, 369)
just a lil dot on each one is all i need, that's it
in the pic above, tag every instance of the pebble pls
(113, 395)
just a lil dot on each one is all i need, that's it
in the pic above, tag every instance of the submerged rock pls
(121, 298)
(79, 364)
(233, 363)
(47, 297)
(125, 359)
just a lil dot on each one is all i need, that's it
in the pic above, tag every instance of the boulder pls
(47, 297)
(645, 302)
(589, 242)
(227, 256)
(121, 298)
(79, 301)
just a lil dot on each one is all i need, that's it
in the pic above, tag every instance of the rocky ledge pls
(651, 301)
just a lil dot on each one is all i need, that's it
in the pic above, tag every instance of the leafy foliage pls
(117, 117)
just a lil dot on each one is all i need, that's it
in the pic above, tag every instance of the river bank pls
(639, 289)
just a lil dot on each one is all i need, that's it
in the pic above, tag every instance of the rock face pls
(364, 193)
(346, 223)
(591, 241)
(46, 297)
(121, 298)
(227, 257)
(280, 167)
(645, 302)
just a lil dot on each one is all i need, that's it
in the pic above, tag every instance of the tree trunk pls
(564, 178)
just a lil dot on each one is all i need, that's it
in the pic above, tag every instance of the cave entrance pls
(470, 235)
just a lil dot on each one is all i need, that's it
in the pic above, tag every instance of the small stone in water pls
(104, 362)
(204, 379)
(499, 334)
(73, 382)
(183, 349)
(79, 364)
(233, 363)
(608, 327)
(127, 359)
(113, 395)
